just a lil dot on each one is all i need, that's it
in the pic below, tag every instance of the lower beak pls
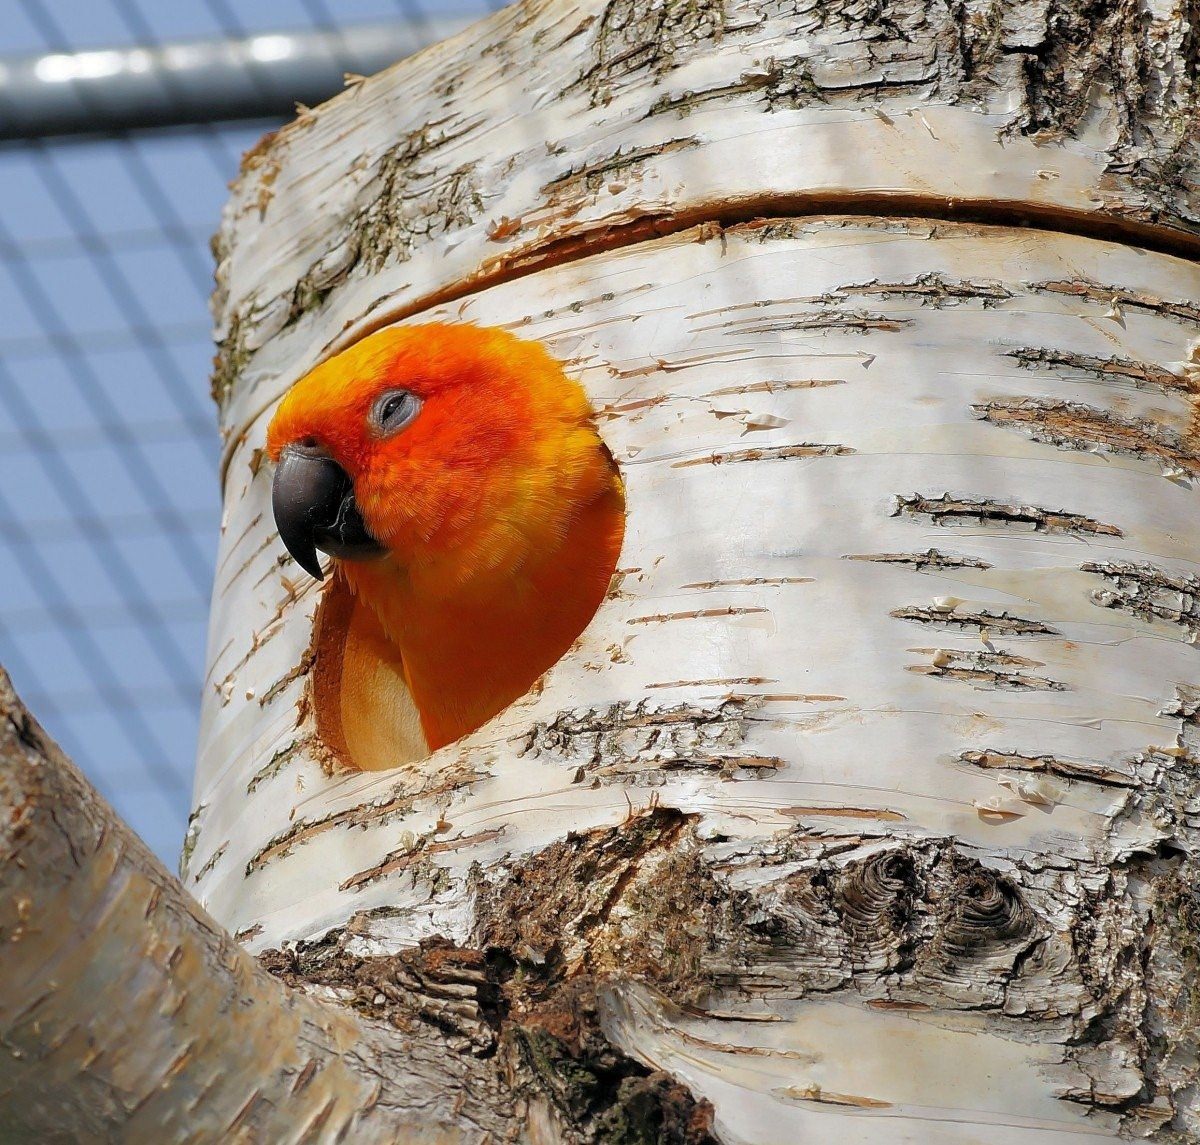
(312, 498)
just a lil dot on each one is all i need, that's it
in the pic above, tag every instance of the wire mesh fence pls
(109, 505)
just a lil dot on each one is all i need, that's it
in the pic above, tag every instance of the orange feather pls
(500, 508)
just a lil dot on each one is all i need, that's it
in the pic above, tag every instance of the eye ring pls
(393, 411)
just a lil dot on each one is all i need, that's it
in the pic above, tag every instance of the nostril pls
(309, 446)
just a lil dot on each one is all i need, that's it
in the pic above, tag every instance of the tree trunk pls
(866, 808)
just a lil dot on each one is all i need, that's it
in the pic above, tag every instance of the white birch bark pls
(869, 797)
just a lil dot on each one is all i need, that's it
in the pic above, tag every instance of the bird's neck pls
(472, 650)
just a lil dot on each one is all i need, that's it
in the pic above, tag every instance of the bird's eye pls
(394, 410)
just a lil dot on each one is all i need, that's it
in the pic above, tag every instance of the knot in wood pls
(876, 895)
(986, 913)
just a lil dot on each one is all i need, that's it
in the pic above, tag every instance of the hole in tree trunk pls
(493, 539)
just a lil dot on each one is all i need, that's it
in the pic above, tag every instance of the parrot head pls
(454, 450)
(456, 477)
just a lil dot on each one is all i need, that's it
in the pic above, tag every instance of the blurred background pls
(121, 122)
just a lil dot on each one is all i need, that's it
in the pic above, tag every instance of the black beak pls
(313, 501)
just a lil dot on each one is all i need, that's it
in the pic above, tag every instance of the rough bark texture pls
(127, 1014)
(867, 805)
(537, 1027)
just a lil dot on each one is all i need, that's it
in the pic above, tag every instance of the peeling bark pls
(1073, 425)
(1141, 374)
(1151, 593)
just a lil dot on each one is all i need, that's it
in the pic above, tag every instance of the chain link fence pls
(109, 504)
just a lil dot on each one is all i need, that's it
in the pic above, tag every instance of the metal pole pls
(202, 81)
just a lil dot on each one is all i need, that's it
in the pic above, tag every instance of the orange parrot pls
(456, 477)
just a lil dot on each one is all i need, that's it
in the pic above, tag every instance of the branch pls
(125, 1011)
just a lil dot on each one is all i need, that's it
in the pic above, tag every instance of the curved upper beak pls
(312, 498)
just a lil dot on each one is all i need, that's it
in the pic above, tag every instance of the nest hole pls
(366, 716)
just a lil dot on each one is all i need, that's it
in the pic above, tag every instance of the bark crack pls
(1084, 428)
(766, 453)
(1150, 593)
(1119, 297)
(948, 510)
(929, 559)
(983, 621)
(1144, 375)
